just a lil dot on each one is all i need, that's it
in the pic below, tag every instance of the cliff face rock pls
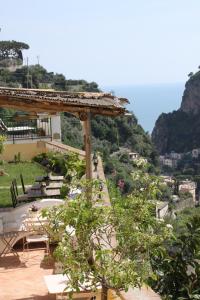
(191, 96)
(179, 131)
(160, 133)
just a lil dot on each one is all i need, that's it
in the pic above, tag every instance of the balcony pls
(26, 129)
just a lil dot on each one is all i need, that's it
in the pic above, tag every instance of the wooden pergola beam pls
(88, 145)
(55, 107)
(82, 105)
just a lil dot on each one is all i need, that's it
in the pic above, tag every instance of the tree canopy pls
(12, 49)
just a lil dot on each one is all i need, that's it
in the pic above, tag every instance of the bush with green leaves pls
(106, 245)
(2, 140)
(67, 164)
(176, 265)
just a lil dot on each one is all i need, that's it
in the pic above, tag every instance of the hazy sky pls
(111, 42)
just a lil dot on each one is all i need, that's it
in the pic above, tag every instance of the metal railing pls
(27, 129)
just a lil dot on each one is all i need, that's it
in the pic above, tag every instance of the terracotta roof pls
(99, 103)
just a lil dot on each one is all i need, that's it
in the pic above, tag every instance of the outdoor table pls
(8, 239)
(57, 285)
(48, 193)
(50, 178)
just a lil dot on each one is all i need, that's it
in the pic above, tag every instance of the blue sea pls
(149, 101)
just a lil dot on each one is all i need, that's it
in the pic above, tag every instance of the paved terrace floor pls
(21, 278)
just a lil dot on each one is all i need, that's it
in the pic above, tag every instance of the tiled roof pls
(88, 100)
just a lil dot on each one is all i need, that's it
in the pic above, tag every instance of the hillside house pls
(175, 156)
(162, 209)
(167, 160)
(195, 153)
(188, 186)
(133, 155)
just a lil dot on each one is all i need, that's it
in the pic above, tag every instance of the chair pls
(13, 196)
(16, 199)
(15, 186)
(36, 238)
(22, 183)
(36, 234)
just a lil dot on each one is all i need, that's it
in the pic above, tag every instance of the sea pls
(147, 102)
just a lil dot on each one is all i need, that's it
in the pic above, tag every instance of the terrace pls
(26, 129)
(22, 276)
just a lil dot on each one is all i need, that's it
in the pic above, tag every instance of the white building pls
(176, 156)
(134, 155)
(195, 153)
(168, 162)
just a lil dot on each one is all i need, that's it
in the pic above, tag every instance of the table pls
(9, 239)
(50, 178)
(57, 284)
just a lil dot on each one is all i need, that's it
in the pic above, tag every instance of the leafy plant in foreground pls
(176, 266)
(106, 245)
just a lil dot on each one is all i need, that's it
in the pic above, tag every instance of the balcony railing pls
(26, 129)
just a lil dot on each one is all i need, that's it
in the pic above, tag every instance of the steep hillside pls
(179, 131)
(191, 96)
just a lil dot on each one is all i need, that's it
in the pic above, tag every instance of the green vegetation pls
(40, 78)
(183, 217)
(11, 52)
(86, 245)
(2, 140)
(69, 164)
(29, 171)
(109, 137)
(176, 264)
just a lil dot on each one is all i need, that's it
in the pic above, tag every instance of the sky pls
(111, 42)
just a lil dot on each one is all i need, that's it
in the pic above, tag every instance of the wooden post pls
(88, 146)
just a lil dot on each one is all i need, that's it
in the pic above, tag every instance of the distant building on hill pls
(134, 155)
(170, 159)
(195, 153)
(188, 186)
(162, 209)
(168, 180)
(175, 156)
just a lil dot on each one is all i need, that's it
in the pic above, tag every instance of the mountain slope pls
(179, 131)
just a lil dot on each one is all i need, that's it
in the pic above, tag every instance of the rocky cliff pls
(191, 96)
(179, 131)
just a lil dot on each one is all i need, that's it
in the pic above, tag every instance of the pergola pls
(83, 105)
